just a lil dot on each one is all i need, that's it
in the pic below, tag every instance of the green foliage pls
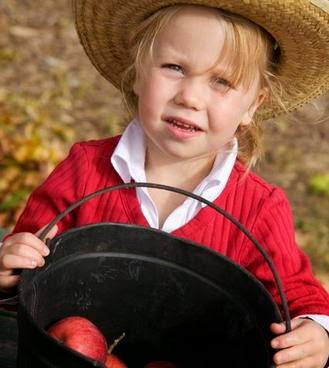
(2, 233)
(319, 185)
(32, 142)
(6, 56)
(13, 200)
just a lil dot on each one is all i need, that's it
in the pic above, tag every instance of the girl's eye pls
(222, 83)
(174, 67)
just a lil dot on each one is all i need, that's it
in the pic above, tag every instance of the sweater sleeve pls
(62, 187)
(274, 229)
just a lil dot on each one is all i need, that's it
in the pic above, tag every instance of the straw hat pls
(300, 27)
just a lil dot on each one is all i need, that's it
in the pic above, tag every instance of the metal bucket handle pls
(194, 196)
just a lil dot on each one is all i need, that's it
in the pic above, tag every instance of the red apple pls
(112, 361)
(82, 335)
(160, 364)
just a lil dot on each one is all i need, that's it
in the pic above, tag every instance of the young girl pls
(198, 81)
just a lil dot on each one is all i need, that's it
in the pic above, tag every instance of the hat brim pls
(300, 28)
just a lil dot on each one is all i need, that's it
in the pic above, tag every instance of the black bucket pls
(174, 300)
(8, 339)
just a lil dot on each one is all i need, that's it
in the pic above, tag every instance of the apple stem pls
(115, 343)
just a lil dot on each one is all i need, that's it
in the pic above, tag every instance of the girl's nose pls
(189, 95)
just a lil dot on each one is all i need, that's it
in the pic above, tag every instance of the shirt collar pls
(128, 159)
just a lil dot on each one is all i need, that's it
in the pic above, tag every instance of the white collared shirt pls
(128, 159)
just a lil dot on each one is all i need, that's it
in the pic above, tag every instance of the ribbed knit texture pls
(260, 207)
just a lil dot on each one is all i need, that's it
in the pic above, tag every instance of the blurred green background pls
(51, 96)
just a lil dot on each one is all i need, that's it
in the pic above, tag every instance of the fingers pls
(294, 354)
(51, 233)
(21, 251)
(305, 363)
(8, 282)
(279, 328)
(24, 244)
(9, 262)
(288, 339)
(306, 346)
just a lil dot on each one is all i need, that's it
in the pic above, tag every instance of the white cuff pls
(321, 319)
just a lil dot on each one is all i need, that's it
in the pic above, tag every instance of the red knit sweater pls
(260, 207)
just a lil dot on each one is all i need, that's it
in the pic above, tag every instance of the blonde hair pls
(247, 47)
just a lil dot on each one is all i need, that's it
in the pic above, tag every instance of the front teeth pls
(182, 125)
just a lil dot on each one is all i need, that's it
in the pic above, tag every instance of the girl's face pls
(186, 105)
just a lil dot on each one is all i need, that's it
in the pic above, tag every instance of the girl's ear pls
(247, 118)
(136, 86)
(137, 83)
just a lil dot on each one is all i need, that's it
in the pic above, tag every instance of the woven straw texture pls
(300, 27)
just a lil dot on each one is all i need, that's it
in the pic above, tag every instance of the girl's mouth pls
(181, 129)
(183, 125)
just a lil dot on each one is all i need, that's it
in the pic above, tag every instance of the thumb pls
(280, 328)
(52, 232)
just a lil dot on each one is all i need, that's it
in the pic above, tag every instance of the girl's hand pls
(21, 250)
(306, 346)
